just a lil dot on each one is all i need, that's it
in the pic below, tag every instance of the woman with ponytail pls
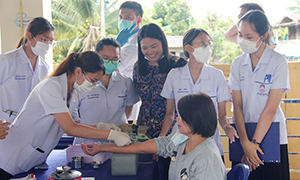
(45, 115)
(22, 68)
(198, 76)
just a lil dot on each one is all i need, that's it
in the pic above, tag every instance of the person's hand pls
(155, 157)
(246, 160)
(230, 132)
(121, 139)
(125, 127)
(3, 129)
(250, 153)
(125, 34)
(78, 121)
(108, 126)
(91, 149)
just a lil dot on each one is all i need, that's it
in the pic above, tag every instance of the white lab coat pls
(35, 126)
(17, 79)
(107, 105)
(129, 56)
(271, 72)
(211, 81)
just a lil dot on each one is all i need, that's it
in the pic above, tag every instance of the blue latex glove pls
(125, 34)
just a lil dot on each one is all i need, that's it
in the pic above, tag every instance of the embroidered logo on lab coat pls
(20, 77)
(262, 89)
(183, 174)
(122, 100)
(267, 78)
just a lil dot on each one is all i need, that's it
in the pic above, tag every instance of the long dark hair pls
(260, 22)
(88, 61)
(36, 26)
(153, 31)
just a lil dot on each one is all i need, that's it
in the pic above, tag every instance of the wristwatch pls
(255, 142)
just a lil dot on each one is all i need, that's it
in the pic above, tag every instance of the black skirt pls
(272, 171)
(5, 175)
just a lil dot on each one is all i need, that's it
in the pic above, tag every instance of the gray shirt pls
(204, 162)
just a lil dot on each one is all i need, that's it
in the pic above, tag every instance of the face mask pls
(110, 67)
(248, 46)
(86, 86)
(201, 54)
(40, 49)
(157, 60)
(272, 40)
(176, 140)
(124, 24)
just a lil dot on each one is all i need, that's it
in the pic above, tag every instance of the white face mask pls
(157, 60)
(202, 55)
(41, 48)
(86, 86)
(248, 46)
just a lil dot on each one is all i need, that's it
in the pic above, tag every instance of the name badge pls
(93, 96)
(242, 78)
(20, 77)
(182, 90)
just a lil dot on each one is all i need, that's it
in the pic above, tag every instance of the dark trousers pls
(161, 170)
(272, 171)
(5, 175)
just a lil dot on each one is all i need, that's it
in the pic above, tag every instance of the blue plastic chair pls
(240, 171)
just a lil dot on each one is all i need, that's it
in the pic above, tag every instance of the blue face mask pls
(110, 67)
(124, 24)
(178, 138)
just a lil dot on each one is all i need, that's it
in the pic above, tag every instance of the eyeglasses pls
(113, 61)
(53, 43)
(205, 44)
(95, 83)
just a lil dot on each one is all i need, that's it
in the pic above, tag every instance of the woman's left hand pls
(91, 149)
(246, 160)
(250, 152)
(155, 157)
(230, 132)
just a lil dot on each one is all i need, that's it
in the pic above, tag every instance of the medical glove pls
(125, 34)
(121, 139)
(108, 126)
